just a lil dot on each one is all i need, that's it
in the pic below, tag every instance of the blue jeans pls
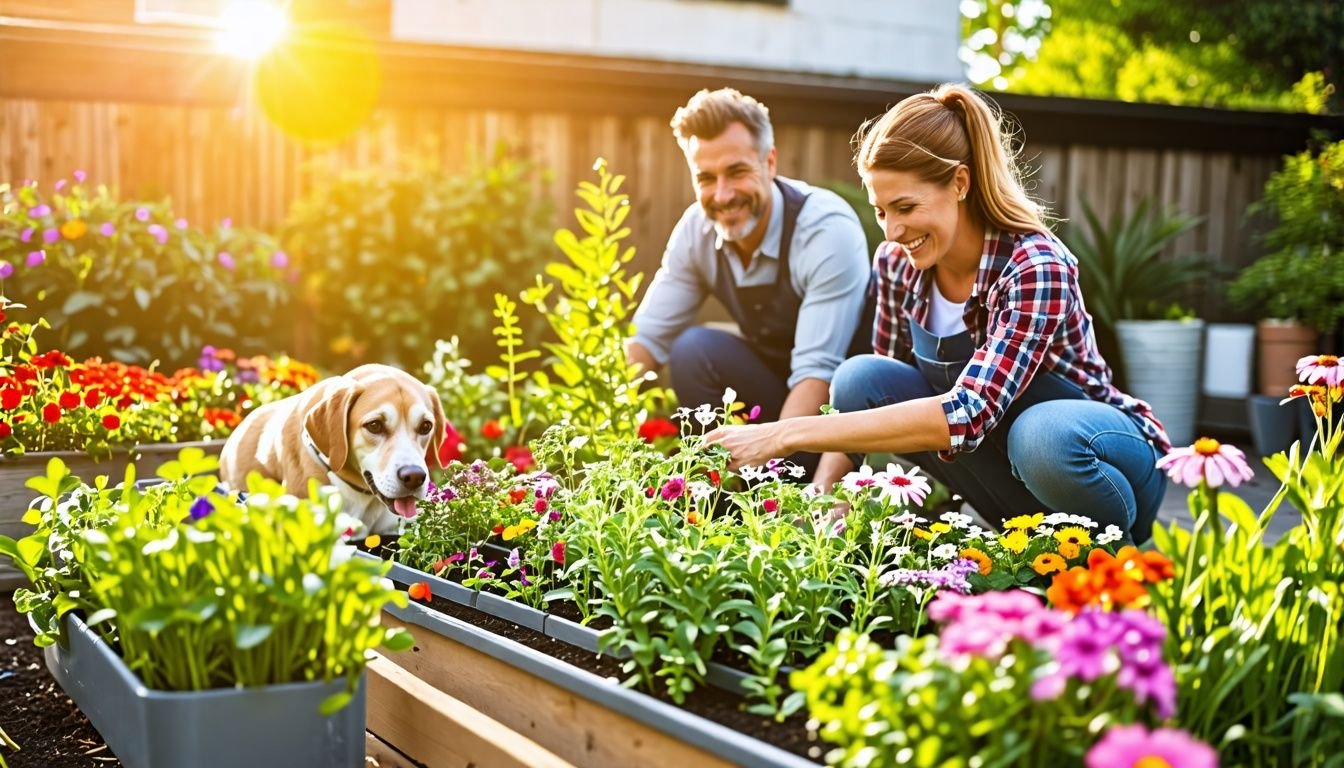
(1047, 454)
(705, 361)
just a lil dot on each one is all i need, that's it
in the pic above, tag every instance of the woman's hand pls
(751, 445)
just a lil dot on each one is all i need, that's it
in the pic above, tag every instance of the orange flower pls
(1069, 550)
(420, 591)
(1048, 563)
(492, 430)
(73, 229)
(981, 559)
(693, 517)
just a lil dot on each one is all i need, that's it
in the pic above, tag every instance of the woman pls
(987, 372)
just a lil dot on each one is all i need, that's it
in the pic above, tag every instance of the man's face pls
(731, 180)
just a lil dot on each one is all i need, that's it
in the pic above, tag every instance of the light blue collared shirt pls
(828, 268)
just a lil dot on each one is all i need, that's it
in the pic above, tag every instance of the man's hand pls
(638, 354)
(751, 445)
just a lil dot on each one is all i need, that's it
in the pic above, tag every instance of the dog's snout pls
(411, 477)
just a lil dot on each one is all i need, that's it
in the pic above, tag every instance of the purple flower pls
(38, 211)
(1152, 679)
(979, 639)
(142, 213)
(6, 269)
(1085, 646)
(949, 577)
(514, 558)
(107, 229)
(755, 412)
(36, 257)
(80, 176)
(59, 185)
(673, 489)
(279, 260)
(522, 576)
(554, 516)
(26, 235)
(226, 261)
(248, 376)
(159, 233)
(1125, 746)
(51, 236)
(201, 508)
(207, 361)
(180, 223)
(225, 223)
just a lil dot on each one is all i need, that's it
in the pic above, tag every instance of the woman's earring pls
(962, 199)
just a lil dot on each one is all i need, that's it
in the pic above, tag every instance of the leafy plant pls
(200, 590)
(1302, 276)
(132, 280)
(397, 259)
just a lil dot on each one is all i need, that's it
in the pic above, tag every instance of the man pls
(788, 261)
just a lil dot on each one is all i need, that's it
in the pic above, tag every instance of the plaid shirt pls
(1025, 313)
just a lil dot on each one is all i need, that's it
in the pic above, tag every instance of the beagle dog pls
(373, 433)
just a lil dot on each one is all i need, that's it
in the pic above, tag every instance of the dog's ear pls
(327, 422)
(440, 429)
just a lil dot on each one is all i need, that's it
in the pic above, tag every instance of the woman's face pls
(922, 217)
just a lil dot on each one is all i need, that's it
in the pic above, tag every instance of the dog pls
(373, 433)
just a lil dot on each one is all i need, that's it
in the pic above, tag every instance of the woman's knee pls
(869, 381)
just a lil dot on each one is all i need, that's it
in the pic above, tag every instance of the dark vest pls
(767, 315)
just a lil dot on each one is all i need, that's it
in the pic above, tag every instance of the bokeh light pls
(321, 82)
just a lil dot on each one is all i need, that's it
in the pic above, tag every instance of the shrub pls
(397, 260)
(132, 280)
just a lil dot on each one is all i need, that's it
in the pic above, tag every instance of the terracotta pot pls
(1281, 344)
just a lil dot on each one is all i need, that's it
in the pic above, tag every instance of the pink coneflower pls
(1127, 746)
(902, 487)
(1320, 369)
(1207, 460)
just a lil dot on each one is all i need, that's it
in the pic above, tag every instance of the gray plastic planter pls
(448, 590)
(509, 610)
(277, 725)
(719, 740)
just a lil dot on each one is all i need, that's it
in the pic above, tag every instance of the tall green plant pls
(590, 384)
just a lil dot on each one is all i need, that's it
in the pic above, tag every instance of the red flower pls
(111, 421)
(5, 430)
(517, 495)
(10, 398)
(655, 428)
(498, 529)
(52, 359)
(450, 449)
(540, 506)
(520, 456)
(714, 476)
(92, 398)
(492, 430)
(69, 401)
(558, 552)
(51, 413)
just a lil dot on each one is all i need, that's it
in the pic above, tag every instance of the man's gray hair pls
(709, 113)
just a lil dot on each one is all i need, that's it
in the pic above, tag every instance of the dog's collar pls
(326, 464)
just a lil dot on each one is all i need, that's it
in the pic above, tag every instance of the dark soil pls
(50, 730)
(708, 702)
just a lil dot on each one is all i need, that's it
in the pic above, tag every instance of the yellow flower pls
(920, 533)
(1069, 550)
(73, 229)
(514, 531)
(981, 559)
(1022, 522)
(1048, 563)
(1015, 542)
(940, 528)
(373, 541)
(1073, 534)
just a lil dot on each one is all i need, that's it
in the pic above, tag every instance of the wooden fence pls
(155, 113)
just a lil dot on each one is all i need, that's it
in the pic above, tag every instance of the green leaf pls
(335, 703)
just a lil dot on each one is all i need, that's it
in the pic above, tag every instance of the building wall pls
(899, 39)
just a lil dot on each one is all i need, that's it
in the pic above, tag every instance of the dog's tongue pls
(405, 506)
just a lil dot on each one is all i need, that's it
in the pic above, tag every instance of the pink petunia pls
(1320, 369)
(1207, 460)
(1125, 746)
(673, 489)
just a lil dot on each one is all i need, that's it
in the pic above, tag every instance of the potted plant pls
(197, 628)
(1298, 285)
(1131, 291)
(98, 416)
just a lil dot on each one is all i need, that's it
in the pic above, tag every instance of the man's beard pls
(741, 231)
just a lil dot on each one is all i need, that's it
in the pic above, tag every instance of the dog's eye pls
(426, 427)
(374, 427)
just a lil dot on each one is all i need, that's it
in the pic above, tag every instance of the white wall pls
(900, 39)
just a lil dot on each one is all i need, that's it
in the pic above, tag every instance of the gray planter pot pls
(277, 725)
(1162, 363)
(1274, 427)
(448, 590)
(15, 471)
(509, 610)
(720, 741)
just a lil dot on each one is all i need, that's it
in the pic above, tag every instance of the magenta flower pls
(26, 235)
(38, 211)
(80, 176)
(226, 261)
(59, 185)
(225, 223)
(51, 235)
(279, 260)
(673, 489)
(1126, 746)
(6, 269)
(754, 413)
(558, 552)
(771, 506)
(180, 223)
(142, 213)
(36, 257)
(1320, 369)
(1207, 460)
(108, 229)
(158, 232)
